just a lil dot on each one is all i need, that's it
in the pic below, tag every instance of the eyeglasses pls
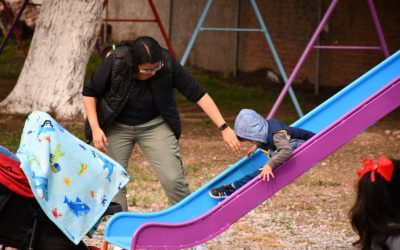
(149, 71)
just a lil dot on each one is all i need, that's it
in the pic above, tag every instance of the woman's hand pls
(251, 151)
(266, 171)
(99, 140)
(231, 139)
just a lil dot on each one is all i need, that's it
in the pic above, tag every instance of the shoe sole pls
(216, 197)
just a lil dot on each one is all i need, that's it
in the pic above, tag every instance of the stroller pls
(23, 224)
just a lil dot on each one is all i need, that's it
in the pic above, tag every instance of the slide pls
(199, 218)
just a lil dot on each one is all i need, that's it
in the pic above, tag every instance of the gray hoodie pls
(250, 125)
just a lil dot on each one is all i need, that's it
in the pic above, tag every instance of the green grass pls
(94, 61)
(11, 61)
(231, 95)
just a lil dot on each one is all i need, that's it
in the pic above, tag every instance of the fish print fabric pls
(73, 182)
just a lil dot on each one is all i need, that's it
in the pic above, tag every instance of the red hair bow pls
(384, 167)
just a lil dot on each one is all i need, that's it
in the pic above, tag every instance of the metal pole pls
(275, 56)
(302, 58)
(318, 56)
(105, 6)
(170, 15)
(236, 45)
(160, 25)
(196, 32)
(14, 23)
(378, 28)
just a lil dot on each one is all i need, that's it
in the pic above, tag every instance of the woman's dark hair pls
(375, 214)
(145, 49)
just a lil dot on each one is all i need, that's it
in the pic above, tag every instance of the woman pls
(130, 99)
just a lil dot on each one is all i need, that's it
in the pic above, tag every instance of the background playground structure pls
(293, 218)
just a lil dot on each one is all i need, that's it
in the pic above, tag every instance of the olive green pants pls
(161, 148)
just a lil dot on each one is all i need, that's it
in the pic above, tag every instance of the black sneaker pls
(222, 191)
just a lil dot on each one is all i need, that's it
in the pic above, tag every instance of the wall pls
(291, 24)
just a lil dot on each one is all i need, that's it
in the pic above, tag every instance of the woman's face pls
(148, 70)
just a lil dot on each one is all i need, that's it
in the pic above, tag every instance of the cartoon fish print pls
(77, 207)
(83, 168)
(82, 146)
(40, 185)
(103, 201)
(91, 193)
(55, 157)
(100, 195)
(34, 160)
(67, 181)
(47, 126)
(55, 213)
(106, 164)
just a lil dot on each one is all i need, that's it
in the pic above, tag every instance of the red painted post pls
(157, 20)
(164, 34)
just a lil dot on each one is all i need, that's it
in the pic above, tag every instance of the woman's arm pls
(99, 138)
(210, 108)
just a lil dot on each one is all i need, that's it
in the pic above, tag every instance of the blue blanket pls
(73, 182)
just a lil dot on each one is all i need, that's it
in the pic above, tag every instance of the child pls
(375, 215)
(274, 137)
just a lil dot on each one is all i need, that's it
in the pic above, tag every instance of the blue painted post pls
(276, 56)
(263, 29)
(196, 32)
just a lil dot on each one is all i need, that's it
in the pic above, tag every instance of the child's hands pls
(251, 151)
(266, 171)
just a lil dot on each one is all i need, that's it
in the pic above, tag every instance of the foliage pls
(11, 61)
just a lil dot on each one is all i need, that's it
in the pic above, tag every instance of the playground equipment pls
(263, 29)
(199, 218)
(156, 19)
(312, 42)
(13, 21)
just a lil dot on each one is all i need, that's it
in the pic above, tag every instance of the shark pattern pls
(106, 164)
(40, 184)
(78, 207)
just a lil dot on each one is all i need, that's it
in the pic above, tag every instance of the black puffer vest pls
(122, 84)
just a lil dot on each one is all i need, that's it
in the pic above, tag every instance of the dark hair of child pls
(375, 215)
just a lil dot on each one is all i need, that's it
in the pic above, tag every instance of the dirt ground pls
(310, 213)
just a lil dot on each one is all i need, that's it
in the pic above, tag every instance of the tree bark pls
(52, 77)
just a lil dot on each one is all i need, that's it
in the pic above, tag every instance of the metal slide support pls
(156, 19)
(276, 56)
(161, 26)
(196, 32)
(311, 45)
(13, 29)
(378, 28)
(263, 29)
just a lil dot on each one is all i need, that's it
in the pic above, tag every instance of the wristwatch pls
(223, 126)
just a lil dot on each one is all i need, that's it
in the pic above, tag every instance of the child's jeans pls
(295, 143)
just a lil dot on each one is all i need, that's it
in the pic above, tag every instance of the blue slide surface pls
(122, 226)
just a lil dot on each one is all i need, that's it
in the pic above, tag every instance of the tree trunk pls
(52, 77)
